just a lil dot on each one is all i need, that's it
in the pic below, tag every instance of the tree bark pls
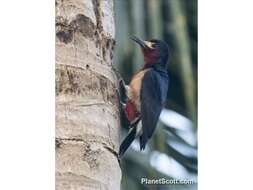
(87, 115)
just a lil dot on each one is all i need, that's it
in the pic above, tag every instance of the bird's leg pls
(121, 86)
(122, 97)
(130, 115)
(123, 91)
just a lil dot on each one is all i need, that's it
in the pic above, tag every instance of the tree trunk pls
(87, 115)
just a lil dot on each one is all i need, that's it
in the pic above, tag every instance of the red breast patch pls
(130, 111)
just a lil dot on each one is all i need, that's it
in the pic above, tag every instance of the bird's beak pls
(142, 43)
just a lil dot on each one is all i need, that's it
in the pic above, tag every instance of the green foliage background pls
(174, 21)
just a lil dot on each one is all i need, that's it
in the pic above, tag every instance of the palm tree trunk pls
(87, 115)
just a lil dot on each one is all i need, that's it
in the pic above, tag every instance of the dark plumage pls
(146, 93)
(153, 96)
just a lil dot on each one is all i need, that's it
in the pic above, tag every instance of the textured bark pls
(87, 115)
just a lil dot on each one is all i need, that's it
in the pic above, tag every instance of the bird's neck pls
(159, 66)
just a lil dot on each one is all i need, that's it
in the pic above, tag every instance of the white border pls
(225, 94)
(27, 95)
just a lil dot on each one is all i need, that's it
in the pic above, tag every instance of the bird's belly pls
(135, 88)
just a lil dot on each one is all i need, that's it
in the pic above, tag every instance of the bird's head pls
(154, 51)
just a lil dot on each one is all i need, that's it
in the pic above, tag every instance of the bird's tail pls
(127, 142)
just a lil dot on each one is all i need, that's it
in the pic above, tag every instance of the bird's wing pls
(153, 95)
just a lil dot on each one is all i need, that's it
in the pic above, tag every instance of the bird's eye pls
(154, 45)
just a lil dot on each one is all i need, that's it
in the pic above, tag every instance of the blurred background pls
(172, 151)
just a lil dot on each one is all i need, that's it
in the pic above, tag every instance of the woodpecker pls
(146, 93)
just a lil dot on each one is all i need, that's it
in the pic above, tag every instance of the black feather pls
(127, 142)
(153, 96)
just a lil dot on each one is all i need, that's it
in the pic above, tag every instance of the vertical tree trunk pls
(87, 115)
